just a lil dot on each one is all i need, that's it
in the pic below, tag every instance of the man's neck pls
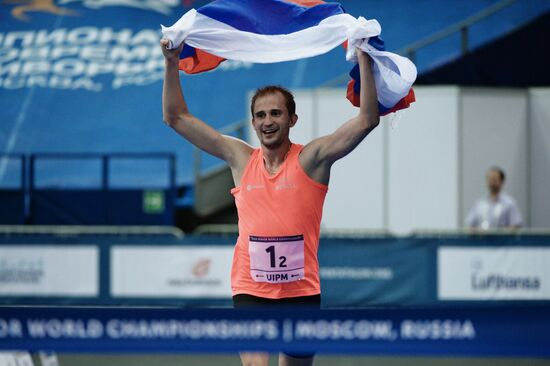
(273, 158)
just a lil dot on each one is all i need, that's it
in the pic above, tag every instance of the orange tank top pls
(279, 224)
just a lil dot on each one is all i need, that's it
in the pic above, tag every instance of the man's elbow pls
(373, 122)
(172, 119)
(370, 122)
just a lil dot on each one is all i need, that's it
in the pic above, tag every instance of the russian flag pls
(266, 31)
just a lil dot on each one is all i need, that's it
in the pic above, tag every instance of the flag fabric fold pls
(266, 31)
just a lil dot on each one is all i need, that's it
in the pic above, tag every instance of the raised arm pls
(176, 114)
(319, 155)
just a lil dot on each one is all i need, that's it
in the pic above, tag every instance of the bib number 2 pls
(276, 259)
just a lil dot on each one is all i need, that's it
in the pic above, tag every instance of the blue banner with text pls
(461, 331)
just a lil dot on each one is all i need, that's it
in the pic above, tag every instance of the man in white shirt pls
(498, 209)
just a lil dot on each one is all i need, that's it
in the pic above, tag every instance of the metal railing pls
(105, 159)
(461, 27)
(232, 229)
(5, 157)
(28, 191)
(96, 230)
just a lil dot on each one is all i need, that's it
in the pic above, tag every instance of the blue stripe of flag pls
(269, 17)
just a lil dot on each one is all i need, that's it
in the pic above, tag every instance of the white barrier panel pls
(169, 271)
(493, 273)
(40, 270)
(19, 358)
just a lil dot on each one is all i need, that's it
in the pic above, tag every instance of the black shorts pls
(244, 301)
(249, 301)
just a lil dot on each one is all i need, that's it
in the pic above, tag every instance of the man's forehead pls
(270, 101)
(493, 173)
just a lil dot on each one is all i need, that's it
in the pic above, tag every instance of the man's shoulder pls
(481, 201)
(507, 198)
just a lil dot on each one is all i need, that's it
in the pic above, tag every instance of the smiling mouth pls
(269, 131)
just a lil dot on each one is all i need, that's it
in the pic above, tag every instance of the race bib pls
(276, 259)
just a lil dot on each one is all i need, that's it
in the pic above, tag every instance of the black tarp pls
(519, 59)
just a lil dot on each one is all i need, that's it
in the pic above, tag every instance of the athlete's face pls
(271, 120)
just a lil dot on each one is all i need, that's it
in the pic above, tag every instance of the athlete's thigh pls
(254, 358)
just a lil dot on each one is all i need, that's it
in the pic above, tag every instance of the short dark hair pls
(272, 89)
(500, 172)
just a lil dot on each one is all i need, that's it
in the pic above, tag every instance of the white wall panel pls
(494, 130)
(355, 198)
(540, 157)
(423, 163)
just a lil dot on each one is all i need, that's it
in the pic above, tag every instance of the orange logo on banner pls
(201, 268)
(43, 6)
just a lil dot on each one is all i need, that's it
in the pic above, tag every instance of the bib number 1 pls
(276, 259)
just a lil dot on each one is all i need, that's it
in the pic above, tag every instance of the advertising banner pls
(171, 271)
(196, 271)
(493, 273)
(60, 270)
(459, 331)
(363, 273)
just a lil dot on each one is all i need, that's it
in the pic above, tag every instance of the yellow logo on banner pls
(43, 6)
